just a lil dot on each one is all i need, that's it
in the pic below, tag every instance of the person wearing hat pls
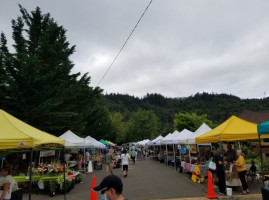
(111, 186)
(220, 170)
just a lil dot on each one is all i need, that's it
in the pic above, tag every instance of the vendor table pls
(38, 178)
(232, 179)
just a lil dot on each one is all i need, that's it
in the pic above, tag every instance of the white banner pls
(47, 153)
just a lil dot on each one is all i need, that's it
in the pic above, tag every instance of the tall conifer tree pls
(36, 82)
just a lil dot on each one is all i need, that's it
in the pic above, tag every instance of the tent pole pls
(166, 156)
(261, 157)
(30, 176)
(64, 171)
(84, 162)
(190, 153)
(174, 154)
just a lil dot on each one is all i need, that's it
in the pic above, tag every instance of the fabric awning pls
(72, 139)
(204, 128)
(233, 129)
(263, 128)
(16, 134)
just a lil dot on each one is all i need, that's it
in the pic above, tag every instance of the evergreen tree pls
(38, 86)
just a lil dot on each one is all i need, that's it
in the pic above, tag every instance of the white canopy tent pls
(163, 139)
(95, 143)
(169, 139)
(73, 139)
(154, 141)
(142, 143)
(182, 137)
(204, 128)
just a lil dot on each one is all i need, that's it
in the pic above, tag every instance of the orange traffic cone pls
(93, 193)
(210, 189)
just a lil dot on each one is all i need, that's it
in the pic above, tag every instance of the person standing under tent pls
(230, 154)
(133, 155)
(67, 157)
(8, 183)
(218, 159)
(125, 162)
(109, 162)
(87, 155)
(241, 169)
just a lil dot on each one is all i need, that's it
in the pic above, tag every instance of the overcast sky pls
(180, 47)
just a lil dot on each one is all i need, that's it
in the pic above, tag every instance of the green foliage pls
(50, 186)
(79, 178)
(266, 165)
(66, 185)
(119, 127)
(36, 83)
(216, 107)
(190, 121)
(143, 124)
(249, 153)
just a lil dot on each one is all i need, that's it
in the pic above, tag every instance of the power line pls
(124, 44)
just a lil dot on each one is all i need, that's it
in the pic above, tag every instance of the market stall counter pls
(51, 181)
(232, 179)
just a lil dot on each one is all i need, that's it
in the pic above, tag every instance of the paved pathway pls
(148, 179)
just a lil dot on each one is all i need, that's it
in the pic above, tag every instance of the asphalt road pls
(148, 179)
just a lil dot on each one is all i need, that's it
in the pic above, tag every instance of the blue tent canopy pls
(263, 128)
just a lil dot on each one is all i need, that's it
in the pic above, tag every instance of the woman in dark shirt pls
(218, 159)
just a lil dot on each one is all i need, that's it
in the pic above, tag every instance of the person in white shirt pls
(8, 184)
(125, 162)
(87, 156)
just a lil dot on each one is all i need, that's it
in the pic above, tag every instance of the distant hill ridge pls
(218, 107)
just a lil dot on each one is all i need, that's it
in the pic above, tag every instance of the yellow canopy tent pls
(233, 129)
(16, 134)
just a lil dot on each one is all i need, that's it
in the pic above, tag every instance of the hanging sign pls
(47, 153)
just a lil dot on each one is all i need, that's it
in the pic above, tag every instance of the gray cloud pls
(178, 49)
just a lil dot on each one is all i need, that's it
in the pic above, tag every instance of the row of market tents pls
(16, 134)
(233, 129)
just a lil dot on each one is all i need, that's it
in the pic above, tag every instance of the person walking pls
(241, 169)
(109, 162)
(218, 159)
(143, 154)
(133, 155)
(111, 188)
(125, 162)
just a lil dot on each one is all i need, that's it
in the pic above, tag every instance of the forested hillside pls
(217, 107)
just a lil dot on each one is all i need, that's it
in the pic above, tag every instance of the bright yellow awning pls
(16, 134)
(233, 129)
